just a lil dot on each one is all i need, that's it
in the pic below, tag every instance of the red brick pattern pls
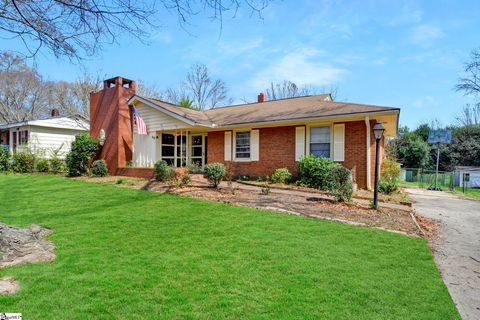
(109, 111)
(277, 150)
(146, 173)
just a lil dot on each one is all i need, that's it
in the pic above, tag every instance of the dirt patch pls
(24, 245)
(318, 207)
(8, 285)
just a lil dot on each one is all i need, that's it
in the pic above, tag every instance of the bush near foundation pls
(99, 168)
(23, 162)
(341, 184)
(390, 177)
(314, 172)
(163, 171)
(4, 159)
(43, 166)
(83, 149)
(215, 173)
(281, 175)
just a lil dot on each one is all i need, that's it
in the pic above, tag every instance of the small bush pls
(266, 189)
(314, 172)
(281, 175)
(57, 165)
(99, 168)
(23, 162)
(215, 173)
(83, 149)
(120, 181)
(390, 177)
(4, 158)
(186, 180)
(244, 177)
(163, 171)
(341, 183)
(43, 166)
(194, 168)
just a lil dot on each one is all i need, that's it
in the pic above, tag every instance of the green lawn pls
(140, 255)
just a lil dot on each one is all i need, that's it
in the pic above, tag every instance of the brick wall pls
(109, 111)
(146, 173)
(277, 150)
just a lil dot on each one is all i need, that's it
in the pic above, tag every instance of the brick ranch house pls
(254, 138)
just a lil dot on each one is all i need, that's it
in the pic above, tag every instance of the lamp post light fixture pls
(378, 131)
(101, 137)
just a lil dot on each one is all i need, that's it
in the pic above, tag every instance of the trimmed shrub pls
(314, 172)
(194, 168)
(57, 165)
(390, 177)
(163, 171)
(23, 162)
(341, 183)
(99, 168)
(215, 173)
(4, 157)
(281, 175)
(83, 149)
(43, 165)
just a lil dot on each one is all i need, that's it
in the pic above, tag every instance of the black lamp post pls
(378, 131)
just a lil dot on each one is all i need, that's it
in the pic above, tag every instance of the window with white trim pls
(242, 145)
(320, 142)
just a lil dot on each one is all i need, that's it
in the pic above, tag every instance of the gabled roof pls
(58, 122)
(291, 109)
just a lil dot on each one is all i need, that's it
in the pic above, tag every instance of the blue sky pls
(406, 54)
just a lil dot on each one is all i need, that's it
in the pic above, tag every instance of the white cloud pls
(303, 66)
(424, 34)
(425, 102)
(240, 47)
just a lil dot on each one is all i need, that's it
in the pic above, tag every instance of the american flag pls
(141, 127)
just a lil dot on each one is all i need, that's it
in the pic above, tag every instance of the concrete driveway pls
(457, 253)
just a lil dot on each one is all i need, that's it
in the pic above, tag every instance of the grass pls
(126, 253)
(469, 193)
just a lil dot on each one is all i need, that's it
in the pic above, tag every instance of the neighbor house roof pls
(299, 108)
(59, 123)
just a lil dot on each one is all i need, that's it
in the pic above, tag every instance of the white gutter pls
(369, 176)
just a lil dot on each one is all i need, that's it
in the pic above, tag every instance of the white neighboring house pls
(45, 138)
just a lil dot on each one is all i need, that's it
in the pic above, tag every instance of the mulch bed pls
(384, 218)
(318, 207)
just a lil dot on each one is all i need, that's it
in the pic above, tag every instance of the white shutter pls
(339, 142)
(228, 146)
(254, 145)
(299, 143)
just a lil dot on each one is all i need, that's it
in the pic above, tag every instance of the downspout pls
(369, 176)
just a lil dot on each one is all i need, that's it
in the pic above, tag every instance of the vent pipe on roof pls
(261, 97)
(55, 113)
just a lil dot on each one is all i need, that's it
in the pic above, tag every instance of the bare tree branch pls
(75, 29)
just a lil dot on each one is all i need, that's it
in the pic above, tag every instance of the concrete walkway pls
(457, 252)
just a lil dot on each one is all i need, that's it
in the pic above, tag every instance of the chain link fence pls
(426, 178)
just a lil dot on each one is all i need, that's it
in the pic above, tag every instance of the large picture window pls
(320, 142)
(242, 145)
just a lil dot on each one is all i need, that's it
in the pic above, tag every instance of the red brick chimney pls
(109, 111)
(261, 97)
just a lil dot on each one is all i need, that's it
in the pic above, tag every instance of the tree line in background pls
(411, 149)
(26, 95)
